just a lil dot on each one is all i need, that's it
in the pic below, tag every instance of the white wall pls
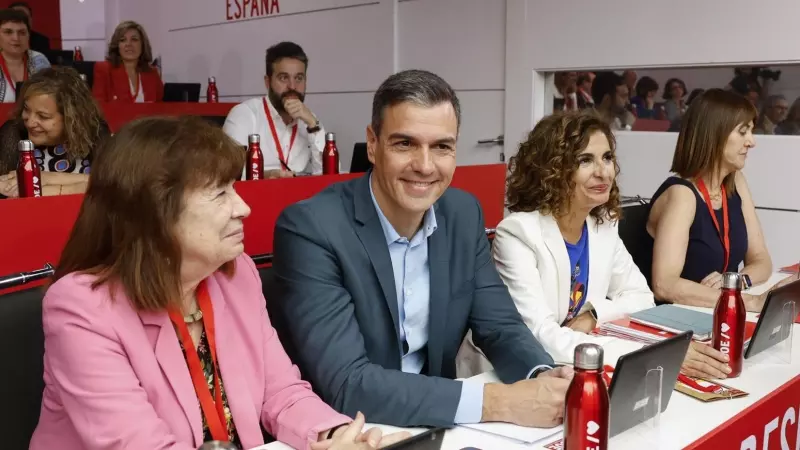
(463, 41)
(83, 24)
(352, 45)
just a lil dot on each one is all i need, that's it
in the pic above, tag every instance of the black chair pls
(85, 68)
(360, 162)
(182, 92)
(22, 353)
(60, 57)
(633, 232)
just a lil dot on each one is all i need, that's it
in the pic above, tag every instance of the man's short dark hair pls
(285, 50)
(14, 16)
(605, 83)
(419, 87)
(25, 5)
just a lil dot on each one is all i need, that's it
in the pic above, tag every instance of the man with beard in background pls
(612, 100)
(292, 138)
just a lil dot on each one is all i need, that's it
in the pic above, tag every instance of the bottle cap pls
(731, 280)
(254, 138)
(25, 146)
(77, 48)
(212, 80)
(330, 137)
(588, 357)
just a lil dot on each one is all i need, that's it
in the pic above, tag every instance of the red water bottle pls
(586, 415)
(255, 159)
(78, 55)
(212, 94)
(330, 155)
(29, 178)
(729, 320)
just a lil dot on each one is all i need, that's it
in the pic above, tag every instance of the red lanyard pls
(213, 408)
(275, 136)
(7, 73)
(723, 234)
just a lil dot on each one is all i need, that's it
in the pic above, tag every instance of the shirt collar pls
(428, 221)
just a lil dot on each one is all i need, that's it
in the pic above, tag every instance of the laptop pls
(429, 440)
(628, 394)
(771, 327)
(182, 92)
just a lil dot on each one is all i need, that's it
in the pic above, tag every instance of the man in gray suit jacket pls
(378, 280)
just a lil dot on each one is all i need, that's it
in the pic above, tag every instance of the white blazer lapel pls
(597, 270)
(555, 244)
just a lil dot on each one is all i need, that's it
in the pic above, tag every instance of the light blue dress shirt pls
(412, 285)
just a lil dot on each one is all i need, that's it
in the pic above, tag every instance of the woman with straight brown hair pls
(156, 331)
(127, 74)
(702, 221)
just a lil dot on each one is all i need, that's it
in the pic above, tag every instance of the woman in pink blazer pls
(156, 333)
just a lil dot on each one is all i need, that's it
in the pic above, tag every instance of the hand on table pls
(584, 323)
(350, 437)
(712, 280)
(278, 173)
(8, 185)
(530, 403)
(702, 361)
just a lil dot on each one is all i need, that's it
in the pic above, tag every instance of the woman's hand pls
(585, 323)
(350, 437)
(712, 280)
(702, 361)
(8, 185)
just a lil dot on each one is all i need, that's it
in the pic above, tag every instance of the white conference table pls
(684, 421)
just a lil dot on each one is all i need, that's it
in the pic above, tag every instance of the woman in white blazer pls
(559, 251)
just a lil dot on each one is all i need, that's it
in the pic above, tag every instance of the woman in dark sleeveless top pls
(685, 241)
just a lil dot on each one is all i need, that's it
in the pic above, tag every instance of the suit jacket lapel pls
(439, 267)
(173, 364)
(371, 235)
(229, 352)
(120, 78)
(595, 270)
(555, 244)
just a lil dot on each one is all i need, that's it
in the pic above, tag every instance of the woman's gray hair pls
(418, 87)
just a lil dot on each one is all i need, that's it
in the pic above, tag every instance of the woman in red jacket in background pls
(126, 75)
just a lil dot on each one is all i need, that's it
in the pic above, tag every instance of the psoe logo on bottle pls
(591, 434)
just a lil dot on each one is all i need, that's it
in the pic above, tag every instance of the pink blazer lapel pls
(170, 358)
(230, 352)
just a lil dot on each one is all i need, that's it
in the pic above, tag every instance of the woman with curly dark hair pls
(57, 113)
(559, 252)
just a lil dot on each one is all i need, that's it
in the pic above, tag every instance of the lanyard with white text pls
(724, 235)
(277, 140)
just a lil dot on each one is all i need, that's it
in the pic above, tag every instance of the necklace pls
(193, 317)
